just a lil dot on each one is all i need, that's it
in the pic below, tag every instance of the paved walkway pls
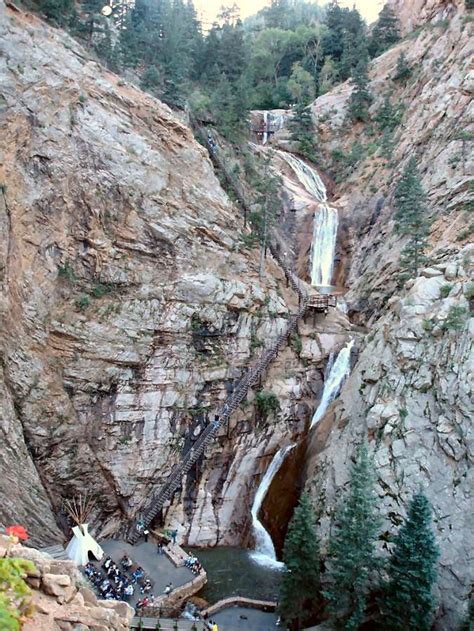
(242, 618)
(251, 624)
(157, 566)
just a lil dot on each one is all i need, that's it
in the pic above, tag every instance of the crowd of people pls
(120, 583)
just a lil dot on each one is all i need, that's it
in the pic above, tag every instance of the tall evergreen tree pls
(351, 558)
(354, 44)
(333, 37)
(403, 70)
(59, 12)
(385, 33)
(408, 601)
(361, 97)
(303, 132)
(276, 16)
(410, 218)
(300, 585)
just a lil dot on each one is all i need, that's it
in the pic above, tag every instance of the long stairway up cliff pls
(119, 249)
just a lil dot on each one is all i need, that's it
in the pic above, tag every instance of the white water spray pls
(265, 128)
(264, 553)
(323, 246)
(338, 372)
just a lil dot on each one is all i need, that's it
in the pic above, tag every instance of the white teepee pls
(81, 544)
(79, 509)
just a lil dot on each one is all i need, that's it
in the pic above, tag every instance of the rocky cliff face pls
(411, 385)
(130, 307)
(60, 598)
(418, 12)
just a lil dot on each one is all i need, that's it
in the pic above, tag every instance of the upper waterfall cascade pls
(332, 384)
(323, 245)
(264, 548)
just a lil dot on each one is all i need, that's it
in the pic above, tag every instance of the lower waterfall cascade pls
(264, 553)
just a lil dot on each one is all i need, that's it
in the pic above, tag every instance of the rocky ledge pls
(60, 598)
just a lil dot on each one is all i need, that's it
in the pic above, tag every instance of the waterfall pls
(338, 372)
(323, 245)
(264, 553)
(265, 127)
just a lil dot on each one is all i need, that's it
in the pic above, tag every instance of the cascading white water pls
(264, 553)
(323, 246)
(265, 128)
(338, 372)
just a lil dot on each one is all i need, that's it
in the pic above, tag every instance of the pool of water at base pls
(232, 572)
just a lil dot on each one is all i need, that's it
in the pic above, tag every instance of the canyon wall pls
(414, 13)
(130, 304)
(410, 391)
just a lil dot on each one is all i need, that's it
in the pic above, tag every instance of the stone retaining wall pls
(240, 601)
(173, 601)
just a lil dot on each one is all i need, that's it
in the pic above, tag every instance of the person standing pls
(174, 534)
(146, 532)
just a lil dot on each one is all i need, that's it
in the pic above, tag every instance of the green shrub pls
(445, 290)
(266, 403)
(464, 234)
(65, 271)
(101, 289)
(427, 325)
(15, 595)
(469, 292)
(255, 342)
(296, 343)
(82, 302)
(455, 319)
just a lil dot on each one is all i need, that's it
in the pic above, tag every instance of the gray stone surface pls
(245, 619)
(157, 566)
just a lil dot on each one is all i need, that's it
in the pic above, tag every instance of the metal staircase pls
(251, 377)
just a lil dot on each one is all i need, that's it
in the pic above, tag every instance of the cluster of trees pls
(358, 584)
(287, 53)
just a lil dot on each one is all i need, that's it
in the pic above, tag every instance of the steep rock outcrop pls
(61, 599)
(130, 307)
(410, 392)
(416, 12)
(411, 384)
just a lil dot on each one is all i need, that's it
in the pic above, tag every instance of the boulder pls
(58, 585)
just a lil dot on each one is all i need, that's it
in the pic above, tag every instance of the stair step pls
(56, 551)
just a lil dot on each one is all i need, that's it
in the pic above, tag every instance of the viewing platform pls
(321, 302)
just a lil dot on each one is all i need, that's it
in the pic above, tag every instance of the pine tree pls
(351, 558)
(59, 12)
(333, 37)
(354, 44)
(403, 70)
(300, 585)
(410, 218)
(361, 97)
(408, 602)
(303, 132)
(385, 33)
